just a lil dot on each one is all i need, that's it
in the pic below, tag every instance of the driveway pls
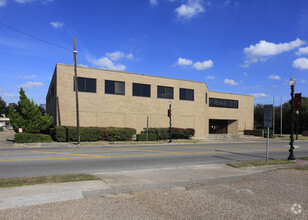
(7, 138)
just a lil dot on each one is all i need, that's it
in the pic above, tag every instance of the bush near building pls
(177, 133)
(151, 137)
(32, 138)
(67, 133)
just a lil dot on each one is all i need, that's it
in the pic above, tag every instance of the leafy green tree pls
(258, 116)
(28, 116)
(3, 107)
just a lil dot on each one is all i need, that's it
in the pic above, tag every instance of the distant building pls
(120, 99)
(4, 122)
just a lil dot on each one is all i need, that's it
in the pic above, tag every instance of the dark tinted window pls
(86, 84)
(143, 90)
(114, 87)
(223, 103)
(164, 92)
(187, 94)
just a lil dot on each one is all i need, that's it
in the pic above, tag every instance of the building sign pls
(268, 116)
(19, 130)
(298, 101)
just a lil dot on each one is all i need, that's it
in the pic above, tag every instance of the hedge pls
(32, 138)
(151, 137)
(270, 133)
(118, 134)
(177, 133)
(67, 133)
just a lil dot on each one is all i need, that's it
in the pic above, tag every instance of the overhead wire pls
(34, 37)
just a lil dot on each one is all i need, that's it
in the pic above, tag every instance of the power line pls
(36, 38)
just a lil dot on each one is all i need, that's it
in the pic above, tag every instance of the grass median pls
(23, 181)
(258, 163)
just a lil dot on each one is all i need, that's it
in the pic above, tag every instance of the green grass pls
(303, 158)
(287, 137)
(23, 181)
(302, 168)
(258, 163)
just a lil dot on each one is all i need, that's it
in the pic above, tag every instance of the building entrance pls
(218, 126)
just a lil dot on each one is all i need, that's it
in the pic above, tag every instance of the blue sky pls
(248, 47)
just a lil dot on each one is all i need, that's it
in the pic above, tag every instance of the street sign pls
(268, 116)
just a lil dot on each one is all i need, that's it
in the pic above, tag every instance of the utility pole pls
(280, 116)
(274, 115)
(76, 92)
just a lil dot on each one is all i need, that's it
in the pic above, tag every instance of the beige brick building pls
(121, 99)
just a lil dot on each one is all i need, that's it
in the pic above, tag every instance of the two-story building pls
(120, 99)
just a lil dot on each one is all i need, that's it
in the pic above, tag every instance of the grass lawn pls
(287, 137)
(180, 141)
(303, 158)
(258, 163)
(23, 181)
(302, 168)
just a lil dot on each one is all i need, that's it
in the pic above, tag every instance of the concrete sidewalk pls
(48, 193)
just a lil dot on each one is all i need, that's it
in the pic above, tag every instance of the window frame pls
(141, 93)
(84, 88)
(185, 92)
(165, 92)
(114, 92)
(223, 103)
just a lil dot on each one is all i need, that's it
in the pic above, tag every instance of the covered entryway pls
(217, 126)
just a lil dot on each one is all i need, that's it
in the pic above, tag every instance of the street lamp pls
(170, 131)
(297, 113)
(292, 82)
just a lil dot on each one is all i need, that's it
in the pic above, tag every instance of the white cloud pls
(29, 1)
(106, 63)
(274, 86)
(189, 10)
(30, 84)
(245, 74)
(118, 55)
(154, 2)
(184, 62)
(210, 77)
(259, 95)
(10, 95)
(204, 65)
(2, 3)
(57, 24)
(82, 65)
(303, 81)
(1, 89)
(274, 77)
(230, 82)
(301, 63)
(303, 50)
(261, 51)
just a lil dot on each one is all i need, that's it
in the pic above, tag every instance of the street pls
(42, 161)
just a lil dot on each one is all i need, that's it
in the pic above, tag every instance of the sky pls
(250, 47)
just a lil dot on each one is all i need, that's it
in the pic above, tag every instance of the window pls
(223, 103)
(114, 87)
(187, 94)
(206, 98)
(164, 92)
(52, 90)
(86, 84)
(143, 90)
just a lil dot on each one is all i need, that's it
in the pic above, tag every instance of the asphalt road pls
(22, 162)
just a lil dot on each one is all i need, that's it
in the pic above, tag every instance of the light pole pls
(297, 113)
(170, 131)
(292, 82)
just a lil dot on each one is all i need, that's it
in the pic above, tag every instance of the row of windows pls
(143, 90)
(223, 103)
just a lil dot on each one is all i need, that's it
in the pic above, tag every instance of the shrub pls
(68, 133)
(270, 133)
(60, 134)
(32, 138)
(151, 137)
(1, 128)
(177, 133)
(118, 134)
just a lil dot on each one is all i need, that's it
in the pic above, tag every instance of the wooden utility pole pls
(76, 92)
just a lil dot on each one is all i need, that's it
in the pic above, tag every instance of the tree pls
(28, 116)
(3, 107)
(42, 108)
(258, 116)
